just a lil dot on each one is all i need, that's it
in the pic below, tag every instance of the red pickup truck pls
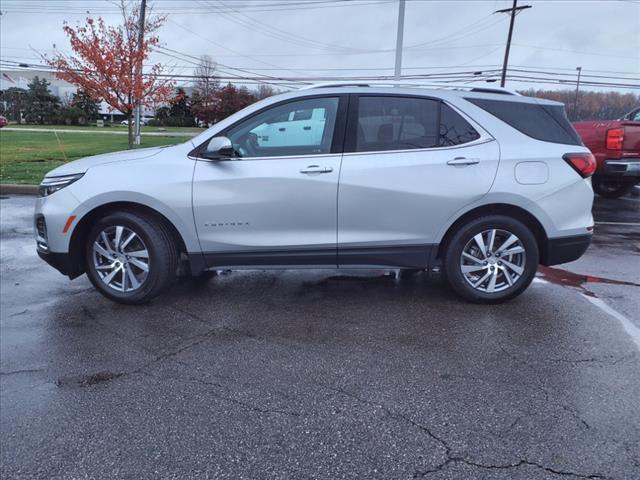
(616, 146)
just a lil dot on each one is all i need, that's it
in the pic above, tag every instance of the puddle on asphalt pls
(576, 280)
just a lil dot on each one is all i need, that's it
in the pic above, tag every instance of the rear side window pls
(396, 123)
(548, 123)
(455, 130)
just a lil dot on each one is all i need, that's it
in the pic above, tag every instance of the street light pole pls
(575, 101)
(399, 40)
(513, 10)
(143, 7)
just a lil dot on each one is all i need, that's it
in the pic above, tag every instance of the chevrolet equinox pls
(481, 183)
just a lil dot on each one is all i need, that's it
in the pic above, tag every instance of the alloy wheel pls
(493, 260)
(121, 259)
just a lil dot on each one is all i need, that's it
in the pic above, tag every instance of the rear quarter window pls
(455, 130)
(548, 123)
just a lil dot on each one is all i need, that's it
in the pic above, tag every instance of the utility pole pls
(575, 101)
(514, 11)
(399, 40)
(143, 7)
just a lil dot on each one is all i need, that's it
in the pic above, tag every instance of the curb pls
(10, 188)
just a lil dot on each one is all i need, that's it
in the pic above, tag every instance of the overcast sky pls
(352, 38)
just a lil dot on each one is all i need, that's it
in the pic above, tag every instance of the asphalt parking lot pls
(323, 374)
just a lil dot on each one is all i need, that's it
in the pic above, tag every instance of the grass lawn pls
(25, 157)
(114, 128)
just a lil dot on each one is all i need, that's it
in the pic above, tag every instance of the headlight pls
(52, 184)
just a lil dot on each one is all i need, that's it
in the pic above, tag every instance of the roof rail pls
(445, 86)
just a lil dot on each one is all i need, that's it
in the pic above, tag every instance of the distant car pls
(143, 121)
(477, 182)
(616, 146)
(3, 121)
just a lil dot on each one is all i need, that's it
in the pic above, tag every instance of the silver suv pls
(483, 184)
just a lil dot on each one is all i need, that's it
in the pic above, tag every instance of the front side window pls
(396, 123)
(303, 127)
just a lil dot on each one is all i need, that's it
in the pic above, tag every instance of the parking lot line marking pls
(622, 224)
(629, 327)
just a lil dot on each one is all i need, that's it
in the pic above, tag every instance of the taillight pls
(583, 163)
(615, 138)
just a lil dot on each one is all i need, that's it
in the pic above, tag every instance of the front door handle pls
(316, 169)
(463, 161)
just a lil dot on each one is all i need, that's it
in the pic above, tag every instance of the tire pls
(497, 285)
(612, 189)
(152, 245)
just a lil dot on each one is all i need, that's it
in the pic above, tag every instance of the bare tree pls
(264, 91)
(206, 81)
(204, 98)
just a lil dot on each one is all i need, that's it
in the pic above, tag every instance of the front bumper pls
(564, 249)
(52, 239)
(61, 262)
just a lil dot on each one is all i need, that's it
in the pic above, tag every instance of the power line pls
(225, 47)
(273, 32)
(443, 78)
(182, 9)
(194, 62)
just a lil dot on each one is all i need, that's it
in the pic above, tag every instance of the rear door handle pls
(316, 169)
(463, 161)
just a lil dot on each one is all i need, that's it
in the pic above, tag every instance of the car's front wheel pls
(491, 259)
(130, 257)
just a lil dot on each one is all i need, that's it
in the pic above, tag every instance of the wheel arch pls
(506, 209)
(81, 230)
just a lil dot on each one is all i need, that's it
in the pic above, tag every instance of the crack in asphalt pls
(450, 458)
(91, 315)
(103, 376)
(570, 410)
(609, 361)
(390, 413)
(204, 322)
(548, 396)
(240, 403)
(25, 370)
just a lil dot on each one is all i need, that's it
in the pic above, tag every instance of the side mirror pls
(219, 148)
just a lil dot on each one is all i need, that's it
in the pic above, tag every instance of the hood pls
(84, 164)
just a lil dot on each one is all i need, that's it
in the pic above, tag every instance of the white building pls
(60, 88)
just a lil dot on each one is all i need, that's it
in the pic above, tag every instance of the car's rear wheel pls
(130, 257)
(612, 189)
(491, 259)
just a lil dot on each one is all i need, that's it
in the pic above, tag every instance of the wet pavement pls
(323, 374)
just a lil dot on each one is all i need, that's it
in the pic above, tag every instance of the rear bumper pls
(564, 249)
(623, 169)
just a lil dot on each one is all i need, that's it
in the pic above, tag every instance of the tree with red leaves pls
(230, 100)
(106, 62)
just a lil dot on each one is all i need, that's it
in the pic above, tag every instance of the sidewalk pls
(18, 189)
